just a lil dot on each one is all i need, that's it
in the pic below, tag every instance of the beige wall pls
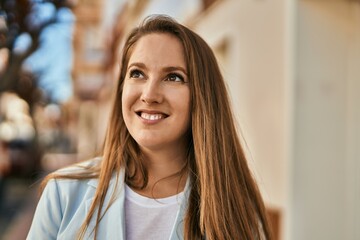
(325, 177)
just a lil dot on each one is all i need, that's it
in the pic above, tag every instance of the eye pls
(136, 74)
(174, 77)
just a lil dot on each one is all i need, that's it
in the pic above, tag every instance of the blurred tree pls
(20, 21)
(22, 27)
(13, 16)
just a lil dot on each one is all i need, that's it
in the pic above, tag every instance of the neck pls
(163, 164)
(165, 175)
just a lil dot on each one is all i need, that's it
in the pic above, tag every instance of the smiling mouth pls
(152, 116)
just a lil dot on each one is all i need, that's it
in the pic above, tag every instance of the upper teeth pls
(151, 116)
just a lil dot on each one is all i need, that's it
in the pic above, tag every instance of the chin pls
(149, 143)
(151, 146)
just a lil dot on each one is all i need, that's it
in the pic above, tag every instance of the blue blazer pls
(65, 203)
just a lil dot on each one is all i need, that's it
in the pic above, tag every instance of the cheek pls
(127, 96)
(126, 99)
(185, 106)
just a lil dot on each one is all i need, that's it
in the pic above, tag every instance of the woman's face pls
(156, 93)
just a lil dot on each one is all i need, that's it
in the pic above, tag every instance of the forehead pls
(158, 48)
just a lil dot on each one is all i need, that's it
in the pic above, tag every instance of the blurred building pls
(292, 69)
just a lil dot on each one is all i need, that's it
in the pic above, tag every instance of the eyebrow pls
(166, 69)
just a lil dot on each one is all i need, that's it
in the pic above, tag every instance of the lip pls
(152, 116)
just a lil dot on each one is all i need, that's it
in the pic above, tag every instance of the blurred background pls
(292, 69)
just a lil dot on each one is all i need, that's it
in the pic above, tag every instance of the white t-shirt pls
(148, 218)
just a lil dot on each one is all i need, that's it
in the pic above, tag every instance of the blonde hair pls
(224, 201)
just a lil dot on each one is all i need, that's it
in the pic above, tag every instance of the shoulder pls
(81, 167)
(62, 205)
(66, 192)
(80, 180)
(73, 181)
(66, 200)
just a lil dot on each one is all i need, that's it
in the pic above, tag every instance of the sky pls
(52, 61)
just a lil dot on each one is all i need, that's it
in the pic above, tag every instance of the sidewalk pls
(18, 206)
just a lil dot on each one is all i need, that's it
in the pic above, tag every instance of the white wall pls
(353, 129)
(326, 133)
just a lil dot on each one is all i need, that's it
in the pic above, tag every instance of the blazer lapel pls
(112, 224)
(177, 232)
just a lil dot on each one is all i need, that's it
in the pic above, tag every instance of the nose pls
(151, 92)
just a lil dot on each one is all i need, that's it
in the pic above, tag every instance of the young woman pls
(172, 165)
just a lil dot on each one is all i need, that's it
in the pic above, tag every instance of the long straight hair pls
(224, 201)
